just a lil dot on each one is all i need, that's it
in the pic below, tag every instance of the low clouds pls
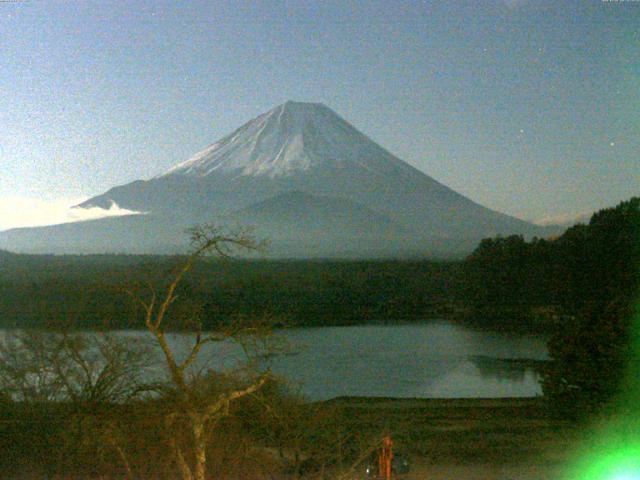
(564, 219)
(30, 212)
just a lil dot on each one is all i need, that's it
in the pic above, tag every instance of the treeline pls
(506, 283)
(588, 266)
(587, 282)
(92, 291)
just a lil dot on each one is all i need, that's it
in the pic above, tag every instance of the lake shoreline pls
(436, 359)
(466, 321)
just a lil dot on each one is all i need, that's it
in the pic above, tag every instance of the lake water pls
(430, 360)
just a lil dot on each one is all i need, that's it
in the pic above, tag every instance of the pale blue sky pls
(528, 107)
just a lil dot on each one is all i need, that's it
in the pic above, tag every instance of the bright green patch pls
(623, 464)
(615, 451)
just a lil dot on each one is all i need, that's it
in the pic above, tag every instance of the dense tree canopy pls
(591, 275)
(588, 265)
(87, 291)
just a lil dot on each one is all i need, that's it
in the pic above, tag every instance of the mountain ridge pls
(308, 148)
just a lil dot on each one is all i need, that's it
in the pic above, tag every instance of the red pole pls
(386, 456)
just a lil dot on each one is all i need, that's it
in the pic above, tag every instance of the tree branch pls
(197, 346)
(225, 399)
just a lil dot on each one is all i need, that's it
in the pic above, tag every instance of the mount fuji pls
(304, 178)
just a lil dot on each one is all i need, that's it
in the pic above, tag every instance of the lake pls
(430, 360)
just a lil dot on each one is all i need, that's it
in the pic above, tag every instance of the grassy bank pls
(463, 431)
(443, 438)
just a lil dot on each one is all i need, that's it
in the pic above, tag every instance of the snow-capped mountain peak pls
(290, 138)
(304, 178)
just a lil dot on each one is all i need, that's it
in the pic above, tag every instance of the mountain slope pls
(300, 224)
(126, 234)
(317, 215)
(306, 148)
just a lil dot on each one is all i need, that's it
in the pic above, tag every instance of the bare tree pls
(87, 373)
(311, 432)
(197, 401)
(82, 368)
(92, 372)
(27, 373)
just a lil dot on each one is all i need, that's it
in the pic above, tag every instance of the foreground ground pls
(470, 439)
(459, 439)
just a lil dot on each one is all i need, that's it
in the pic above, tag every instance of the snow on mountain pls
(304, 177)
(290, 138)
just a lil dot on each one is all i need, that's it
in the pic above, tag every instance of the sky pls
(527, 107)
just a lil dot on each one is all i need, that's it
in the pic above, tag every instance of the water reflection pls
(426, 360)
(430, 360)
(512, 369)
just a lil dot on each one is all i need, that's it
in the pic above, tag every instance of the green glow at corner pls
(622, 464)
(614, 451)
